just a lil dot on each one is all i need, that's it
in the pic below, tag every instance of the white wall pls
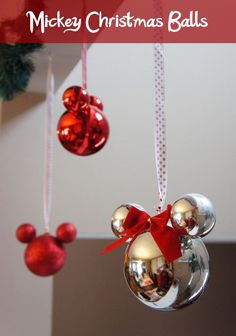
(200, 107)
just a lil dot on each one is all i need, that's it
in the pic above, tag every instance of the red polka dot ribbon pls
(160, 124)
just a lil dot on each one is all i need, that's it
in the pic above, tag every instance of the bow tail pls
(131, 233)
(119, 242)
(114, 245)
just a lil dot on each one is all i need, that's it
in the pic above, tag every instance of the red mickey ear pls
(25, 233)
(75, 98)
(66, 232)
(95, 101)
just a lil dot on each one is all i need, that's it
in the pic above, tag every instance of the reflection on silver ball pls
(193, 214)
(166, 286)
(119, 216)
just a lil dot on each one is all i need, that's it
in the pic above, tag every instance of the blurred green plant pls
(16, 68)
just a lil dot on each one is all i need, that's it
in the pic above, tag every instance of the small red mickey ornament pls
(166, 267)
(82, 129)
(45, 254)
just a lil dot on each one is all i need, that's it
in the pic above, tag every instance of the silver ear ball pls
(193, 215)
(119, 216)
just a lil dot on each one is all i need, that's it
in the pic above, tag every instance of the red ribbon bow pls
(138, 221)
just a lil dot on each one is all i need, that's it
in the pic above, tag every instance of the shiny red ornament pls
(66, 232)
(75, 98)
(83, 134)
(25, 233)
(95, 101)
(45, 255)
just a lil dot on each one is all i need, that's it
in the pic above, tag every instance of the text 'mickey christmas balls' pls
(166, 267)
(83, 129)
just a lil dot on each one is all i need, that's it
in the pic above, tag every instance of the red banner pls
(127, 21)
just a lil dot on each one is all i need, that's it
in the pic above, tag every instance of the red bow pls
(138, 221)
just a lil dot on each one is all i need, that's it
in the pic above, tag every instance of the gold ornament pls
(166, 286)
(119, 216)
(194, 214)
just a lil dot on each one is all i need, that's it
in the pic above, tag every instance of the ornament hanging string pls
(84, 51)
(159, 108)
(160, 124)
(84, 64)
(48, 178)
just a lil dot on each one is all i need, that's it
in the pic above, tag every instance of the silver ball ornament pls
(119, 216)
(193, 215)
(166, 286)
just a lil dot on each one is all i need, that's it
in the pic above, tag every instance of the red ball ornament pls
(25, 233)
(75, 98)
(85, 134)
(66, 232)
(45, 255)
(95, 101)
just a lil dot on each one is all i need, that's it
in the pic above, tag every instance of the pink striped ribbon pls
(160, 119)
(48, 178)
(160, 124)
(84, 64)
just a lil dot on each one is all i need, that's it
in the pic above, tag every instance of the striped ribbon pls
(48, 178)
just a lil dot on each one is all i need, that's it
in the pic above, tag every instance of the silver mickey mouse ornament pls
(159, 283)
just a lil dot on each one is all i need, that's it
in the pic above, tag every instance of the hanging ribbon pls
(138, 221)
(84, 64)
(84, 49)
(160, 124)
(47, 199)
(159, 108)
